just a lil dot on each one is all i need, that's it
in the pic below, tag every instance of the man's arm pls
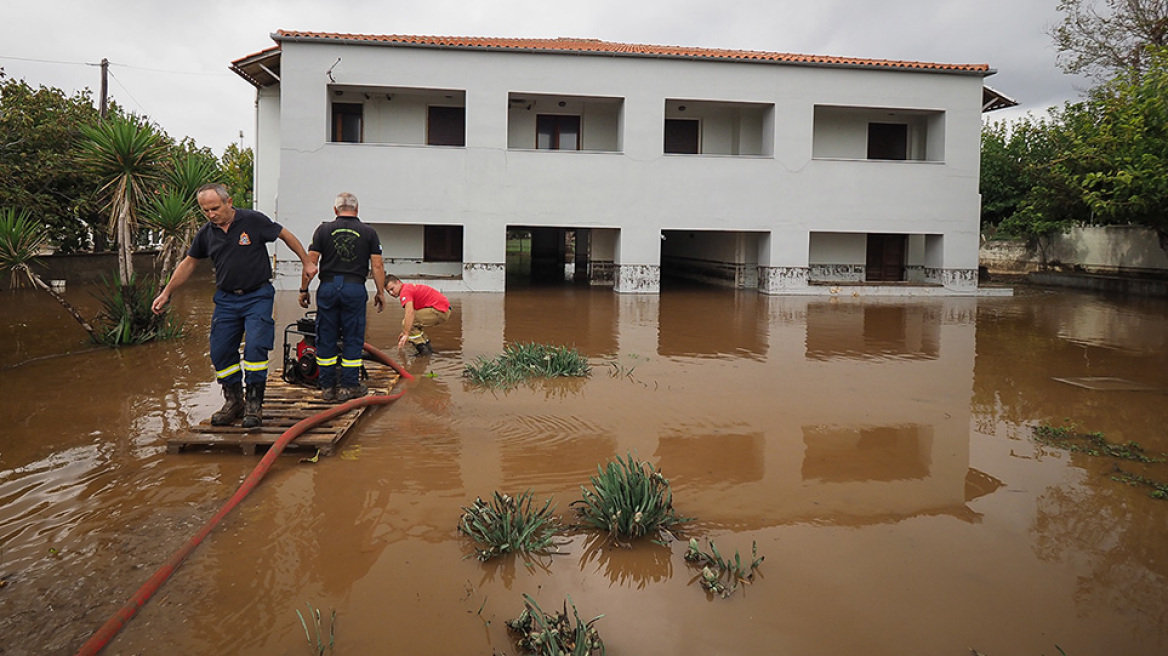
(407, 324)
(378, 264)
(305, 279)
(181, 274)
(287, 237)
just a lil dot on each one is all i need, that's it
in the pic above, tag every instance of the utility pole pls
(104, 85)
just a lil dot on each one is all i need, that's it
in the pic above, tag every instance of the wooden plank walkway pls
(284, 406)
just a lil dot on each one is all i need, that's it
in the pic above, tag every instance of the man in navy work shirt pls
(344, 248)
(236, 241)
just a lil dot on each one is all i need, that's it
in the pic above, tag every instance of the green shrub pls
(720, 575)
(520, 362)
(555, 634)
(629, 499)
(507, 525)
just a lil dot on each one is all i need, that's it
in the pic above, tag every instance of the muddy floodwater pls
(879, 453)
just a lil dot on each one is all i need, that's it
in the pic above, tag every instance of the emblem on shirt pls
(244, 240)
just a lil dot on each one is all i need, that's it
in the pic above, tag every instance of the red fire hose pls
(99, 639)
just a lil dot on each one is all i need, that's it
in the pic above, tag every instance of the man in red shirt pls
(424, 305)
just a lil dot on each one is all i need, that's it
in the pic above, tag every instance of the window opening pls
(442, 244)
(347, 122)
(557, 132)
(888, 141)
(682, 136)
(446, 126)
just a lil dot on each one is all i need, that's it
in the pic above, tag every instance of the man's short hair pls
(345, 201)
(390, 278)
(219, 188)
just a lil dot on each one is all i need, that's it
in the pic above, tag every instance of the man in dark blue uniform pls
(236, 241)
(344, 248)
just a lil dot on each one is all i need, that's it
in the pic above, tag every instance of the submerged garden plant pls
(629, 499)
(719, 575)
(509, 525)
(555, 634)
(1072, 438)
(519, 362)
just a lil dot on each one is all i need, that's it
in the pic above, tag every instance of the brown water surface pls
(878, 452)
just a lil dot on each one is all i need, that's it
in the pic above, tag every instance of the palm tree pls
(174, 211)
(130, 157)
(21, 239)
(172, 216)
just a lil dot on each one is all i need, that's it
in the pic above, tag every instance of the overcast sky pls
(169, 60)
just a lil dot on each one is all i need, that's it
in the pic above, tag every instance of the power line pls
(129, 66)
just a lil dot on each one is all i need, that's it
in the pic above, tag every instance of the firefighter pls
(236, 241)
(344, 248)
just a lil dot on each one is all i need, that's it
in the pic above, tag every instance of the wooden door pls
(886, 255)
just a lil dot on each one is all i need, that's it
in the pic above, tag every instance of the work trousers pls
(425, 318)
(340, 322)
(235, 315)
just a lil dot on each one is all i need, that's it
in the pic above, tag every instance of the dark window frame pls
(342, 129)
(552, 125)
(443, 128)
(678, 143)
(888, 141)
(441, 243)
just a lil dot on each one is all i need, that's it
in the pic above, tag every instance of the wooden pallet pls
(284, 406)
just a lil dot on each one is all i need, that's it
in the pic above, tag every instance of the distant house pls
(621, 164)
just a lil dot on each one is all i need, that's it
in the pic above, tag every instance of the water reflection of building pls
(859, 416)
(873, 329)
(729, 323)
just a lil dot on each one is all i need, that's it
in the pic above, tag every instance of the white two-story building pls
(622, 164)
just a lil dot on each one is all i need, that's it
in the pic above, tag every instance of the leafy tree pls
(238, 166)
(1101, 42)
(21, 240)
(1117, 148)
(39, 132)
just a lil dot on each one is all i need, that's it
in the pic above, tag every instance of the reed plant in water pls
(556, 634)
(522, 361)
(509, 525)
(719, 575)
(316, 639)
(629, 499)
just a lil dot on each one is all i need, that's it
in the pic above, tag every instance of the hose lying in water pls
(98, 640)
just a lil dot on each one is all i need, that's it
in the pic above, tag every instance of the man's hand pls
(159, 304)
(304, 299)
(378, 300)
(310, 269)
(401, 342)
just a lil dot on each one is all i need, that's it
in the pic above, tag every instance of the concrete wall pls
(1126, 250)
(635, 189)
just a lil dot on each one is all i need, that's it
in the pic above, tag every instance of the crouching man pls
(425, 307)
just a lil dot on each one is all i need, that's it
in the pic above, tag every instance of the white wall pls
(636, 188)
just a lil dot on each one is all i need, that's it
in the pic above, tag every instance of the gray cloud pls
(170, 59)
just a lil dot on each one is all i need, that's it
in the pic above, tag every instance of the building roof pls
(258, 69)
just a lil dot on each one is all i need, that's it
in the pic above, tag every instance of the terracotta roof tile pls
(596, 46)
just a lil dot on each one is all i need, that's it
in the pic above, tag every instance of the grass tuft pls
(720, 575)
(519, 362)
(555, 634)
(628, 499)
(509, 525)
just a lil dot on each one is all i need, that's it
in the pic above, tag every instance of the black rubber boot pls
(232, 409)
(253, 412)
(424, 348)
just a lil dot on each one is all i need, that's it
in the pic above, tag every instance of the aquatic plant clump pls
(1095, 444)
(629, 499)
(719, 575)
(509, 525)
(520, 362)
(556, 634)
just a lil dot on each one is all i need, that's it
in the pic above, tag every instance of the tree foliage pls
(237, 167)
(39, 132)
(1099, 161)
(1101, 41)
